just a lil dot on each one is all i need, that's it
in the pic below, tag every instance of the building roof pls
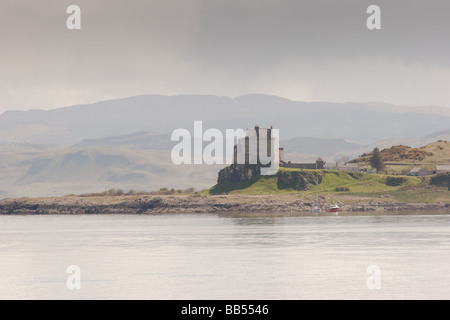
(443, 168)
(351, 165)
(413, 170)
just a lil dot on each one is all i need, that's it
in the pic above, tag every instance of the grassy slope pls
(441, 155)
(362, 187)
(256, 186)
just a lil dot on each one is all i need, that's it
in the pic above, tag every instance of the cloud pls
(308, 50)
(359, 80)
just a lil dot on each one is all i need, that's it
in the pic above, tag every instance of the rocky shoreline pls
(199, 204)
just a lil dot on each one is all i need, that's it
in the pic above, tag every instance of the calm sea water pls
(224, 257)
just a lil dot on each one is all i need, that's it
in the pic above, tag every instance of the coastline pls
(185, 204)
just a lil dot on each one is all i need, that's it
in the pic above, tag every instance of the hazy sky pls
(303, 50)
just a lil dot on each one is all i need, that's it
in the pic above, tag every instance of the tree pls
(376, 161)
(342, 159)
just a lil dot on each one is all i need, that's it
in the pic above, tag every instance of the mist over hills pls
(141, 140)
(125, 143)
(356, 122)
(439, 135)
(27, 170)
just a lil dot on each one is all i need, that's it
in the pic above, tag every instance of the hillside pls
(428, 156)
(296, 180)
(139, 161)
(319, 146)
(125, 143)
(439, 135)
(48, 170)
(156, 141)
(345, 187)
(140, 140)
(362, 123)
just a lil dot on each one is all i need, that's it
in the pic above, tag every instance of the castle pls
(266, 133)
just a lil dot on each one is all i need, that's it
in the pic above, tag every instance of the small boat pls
(333, 208)
(316, 210)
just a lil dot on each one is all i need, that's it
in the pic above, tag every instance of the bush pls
(355, 175)
(189, 190)
(441, 180)
(395, 181)
(112, 192)
(341, 189)
(164, 191)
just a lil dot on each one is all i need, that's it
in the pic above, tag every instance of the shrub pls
(189, 190)
(341, 189)
(395, 181)
(441, 180)
(355, 175)
(164, 191)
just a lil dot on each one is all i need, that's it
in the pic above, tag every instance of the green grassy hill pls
(329, 180)
(347, 187)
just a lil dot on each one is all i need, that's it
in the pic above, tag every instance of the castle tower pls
(320, 164)
(257, 135)
(281, 152)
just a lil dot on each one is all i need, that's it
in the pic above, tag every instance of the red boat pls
(333, 208)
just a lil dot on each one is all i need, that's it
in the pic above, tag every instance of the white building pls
(442, 168)
(419, 172)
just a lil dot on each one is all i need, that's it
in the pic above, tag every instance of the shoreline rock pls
(198, 204)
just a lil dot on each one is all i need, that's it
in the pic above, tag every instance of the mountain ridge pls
(358, 122)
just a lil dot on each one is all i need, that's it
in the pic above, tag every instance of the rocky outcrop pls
(199, 204)
(238, 173)
(398, 207)
(297, 180)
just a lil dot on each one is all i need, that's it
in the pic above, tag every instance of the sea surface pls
(214, 256)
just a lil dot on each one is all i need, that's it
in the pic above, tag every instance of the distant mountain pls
(139, 161)
(357, 122)
(444, 134)
(141, 140)
(27, 170)
(319, 147)
(155, 141)
(441, 111)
